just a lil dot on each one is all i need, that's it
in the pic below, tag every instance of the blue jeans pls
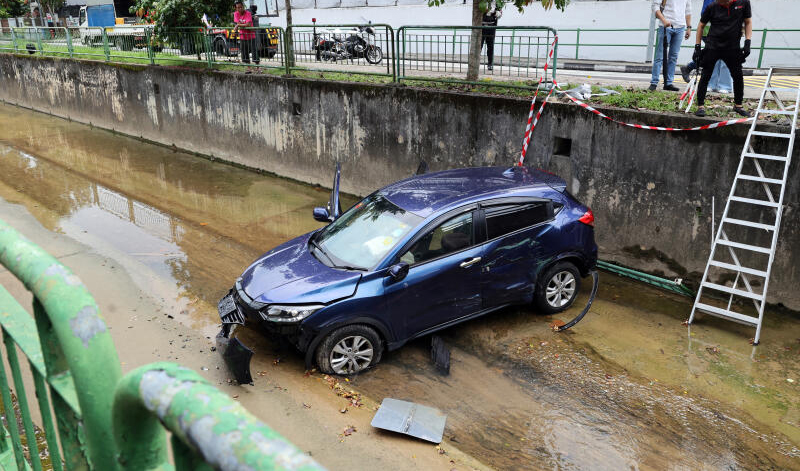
(674, 38)
(721, 78)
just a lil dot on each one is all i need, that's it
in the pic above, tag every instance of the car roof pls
(432, 192)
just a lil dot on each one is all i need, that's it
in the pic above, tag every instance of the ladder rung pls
(739, 245)
(755, 225)
(739, 268)
(756, 178)
(772, 134)
(766, 111)
(754, 201)
(737, 292)
(715, 311)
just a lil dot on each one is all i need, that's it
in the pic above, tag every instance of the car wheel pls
(558, 288)
(349, 350)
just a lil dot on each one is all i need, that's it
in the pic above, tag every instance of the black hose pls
(596, 279)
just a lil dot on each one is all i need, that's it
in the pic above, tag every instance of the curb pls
(632, 68)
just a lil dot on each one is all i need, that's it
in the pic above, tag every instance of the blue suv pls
(415, 257)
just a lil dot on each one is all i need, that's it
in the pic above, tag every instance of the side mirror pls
(398, 271)
(321, 214)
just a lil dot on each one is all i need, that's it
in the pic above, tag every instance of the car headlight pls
(281, 313)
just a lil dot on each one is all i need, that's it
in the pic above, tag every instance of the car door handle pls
(471, 262)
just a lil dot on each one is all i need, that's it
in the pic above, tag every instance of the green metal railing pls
(103, 421)
(519, 53)
(675, 286)
(318, 47)
(571, 38)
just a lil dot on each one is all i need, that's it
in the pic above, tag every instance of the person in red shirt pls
(247, 46)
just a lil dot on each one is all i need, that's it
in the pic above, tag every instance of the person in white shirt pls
(676, 19)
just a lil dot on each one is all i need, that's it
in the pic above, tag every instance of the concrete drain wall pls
(651, 192)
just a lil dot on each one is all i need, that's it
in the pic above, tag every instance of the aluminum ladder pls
(740, 258)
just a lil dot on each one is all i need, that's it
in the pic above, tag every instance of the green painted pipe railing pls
(104, 421)
(675, 286)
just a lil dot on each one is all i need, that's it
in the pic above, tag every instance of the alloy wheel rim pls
(560, 289)
(351, 355)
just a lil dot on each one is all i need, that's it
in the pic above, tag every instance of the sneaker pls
(724, 92)
(671, 88)
(489, 67)
(652, 88)
(701, 112)
(741, 111)
(685, 71)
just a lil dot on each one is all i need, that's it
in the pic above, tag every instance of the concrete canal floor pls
(158, 236)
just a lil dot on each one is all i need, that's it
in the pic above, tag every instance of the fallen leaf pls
(349, 430)
(557, 324)
(276, 361)
(306, 406)
(712, 350)
(686, 322)
(203, 223)
(751, 341)
(608, 376)
(235, 396)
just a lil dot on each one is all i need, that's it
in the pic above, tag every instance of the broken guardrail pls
(73, 361)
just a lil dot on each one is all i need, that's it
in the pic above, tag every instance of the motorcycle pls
(335, 45)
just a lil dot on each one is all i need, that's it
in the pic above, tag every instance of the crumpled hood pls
(289, 274)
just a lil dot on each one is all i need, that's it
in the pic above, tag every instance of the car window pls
(364, 234)
(502, 220)
(451, 236)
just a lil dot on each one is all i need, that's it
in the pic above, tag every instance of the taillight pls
(587, 218)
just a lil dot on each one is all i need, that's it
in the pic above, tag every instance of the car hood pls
(290, 274)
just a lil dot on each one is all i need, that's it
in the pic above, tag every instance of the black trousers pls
(248, 47)
(733, 59)
(488, 38)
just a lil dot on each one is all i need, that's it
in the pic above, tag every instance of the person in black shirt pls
(727, 17)
(489, 21)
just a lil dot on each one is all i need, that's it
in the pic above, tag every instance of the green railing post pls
(70, 48)
(577, 42)
(555, 56)
(106, 49)
(286, 49)
(11, 418)
(511, 50)
(39, 40)
(14, 39)
(763, 44)
(22, 402)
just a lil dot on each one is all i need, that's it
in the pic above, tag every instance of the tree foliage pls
(184, 13)
(51, 6)
(12, 8)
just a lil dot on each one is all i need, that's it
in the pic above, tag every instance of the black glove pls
(745, 50)
(698, 54)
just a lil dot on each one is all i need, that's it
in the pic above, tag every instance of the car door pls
(512, 250)
(443, 281)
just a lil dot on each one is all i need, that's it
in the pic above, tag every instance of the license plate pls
(226, 305)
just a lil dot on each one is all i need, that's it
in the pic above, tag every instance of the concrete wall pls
(771, 14)
(651, 192)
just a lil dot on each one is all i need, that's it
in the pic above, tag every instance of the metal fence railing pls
(603, 44)
(104, 421)
(435, 52)
(411, 53)
(350, 48)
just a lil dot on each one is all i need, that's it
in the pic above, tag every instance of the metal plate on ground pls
(410, 418)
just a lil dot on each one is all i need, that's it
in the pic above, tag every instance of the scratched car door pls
(443, 282)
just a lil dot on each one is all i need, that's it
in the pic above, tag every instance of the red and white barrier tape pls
(657, 128)
(532, 122)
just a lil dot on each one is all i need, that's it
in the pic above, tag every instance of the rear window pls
(504, 220)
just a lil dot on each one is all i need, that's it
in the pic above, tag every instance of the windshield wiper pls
(319, 249)
(348, 267)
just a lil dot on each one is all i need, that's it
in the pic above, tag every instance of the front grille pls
(234, 317)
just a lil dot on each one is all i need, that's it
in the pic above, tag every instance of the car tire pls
(558, 288)
(349, 350)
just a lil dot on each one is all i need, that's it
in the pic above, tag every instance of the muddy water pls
(629, 388)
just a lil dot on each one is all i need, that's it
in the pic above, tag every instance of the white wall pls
(772, 14)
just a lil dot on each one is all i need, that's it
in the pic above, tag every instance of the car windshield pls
(363, 235)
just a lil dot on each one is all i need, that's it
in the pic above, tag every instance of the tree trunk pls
(289, 34)
(474, 60)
